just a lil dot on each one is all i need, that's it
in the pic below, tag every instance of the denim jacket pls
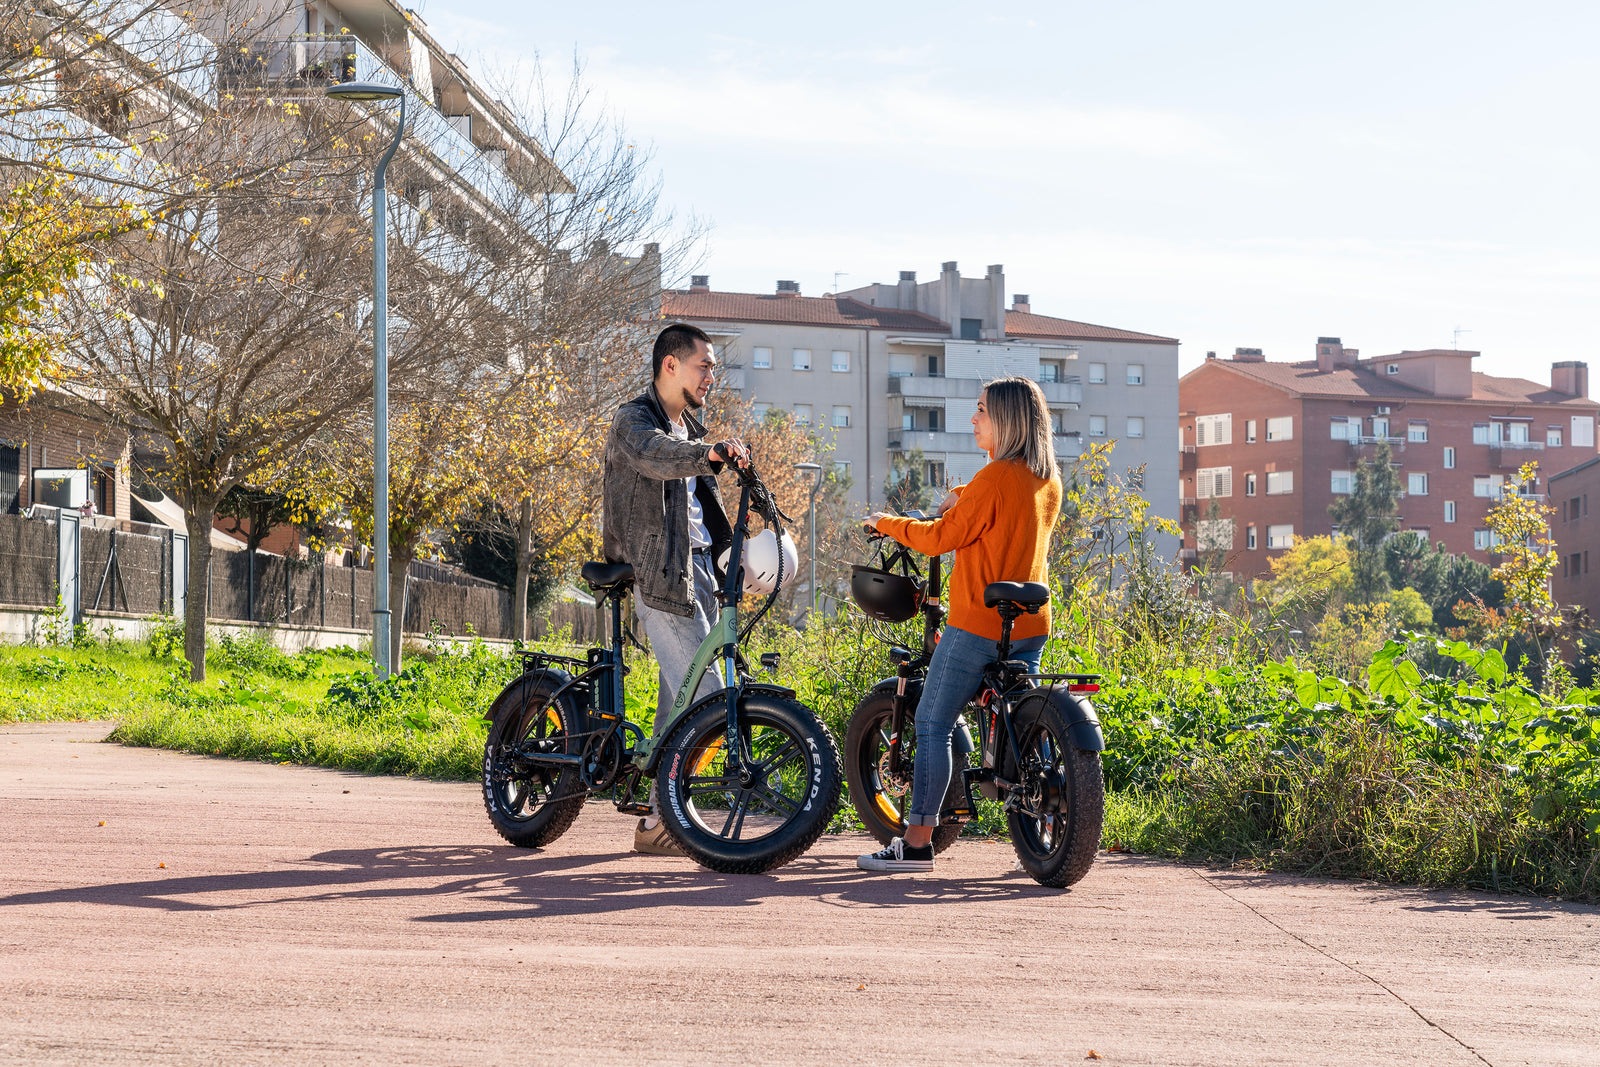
(646, 504)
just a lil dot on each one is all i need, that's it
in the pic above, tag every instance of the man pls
(663, 514)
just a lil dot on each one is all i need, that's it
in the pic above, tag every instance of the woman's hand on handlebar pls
(870, 523)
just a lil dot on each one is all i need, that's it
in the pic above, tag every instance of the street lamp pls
(810, 467)
(368, 92)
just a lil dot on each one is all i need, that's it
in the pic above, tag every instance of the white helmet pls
(761, 562)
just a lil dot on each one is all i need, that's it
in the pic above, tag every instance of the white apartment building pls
(887, 369)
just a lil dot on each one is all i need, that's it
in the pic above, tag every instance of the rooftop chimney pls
(1211, 355)
(1570, 377)
(786, 288)
(948, 265)
(906, 291)
(1248, 355)
(700, 283)
(1330, 353)
(1019, 302)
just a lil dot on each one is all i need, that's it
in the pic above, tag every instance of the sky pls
(1230, 174)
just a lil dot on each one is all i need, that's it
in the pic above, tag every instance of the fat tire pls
(699, 736)
(1083, 796)
(862, 749)
(516, 708)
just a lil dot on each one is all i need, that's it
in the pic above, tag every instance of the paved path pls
(309, 916)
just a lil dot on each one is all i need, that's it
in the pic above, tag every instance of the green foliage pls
(905, 487)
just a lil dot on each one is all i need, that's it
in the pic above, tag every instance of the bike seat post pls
(1008, 614)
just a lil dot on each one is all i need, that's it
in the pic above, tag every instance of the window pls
(934, 475)
(841, 360)
(1214, 535)
(1572, 565)
(802, 359)
(1417, 484)
(1483, 540)
(971, 329)
(1480, 433)
(1249, 485)
(908, 420)
(841, 416)
(1280, 536)
(841, 468)
(1049, 370)
(935, 419)
(1213, 430)
(1250, 538)
(1380, 426)
(1281, 429)
(1135, 425)
(1487, 485)
(1393, 368)
(1449, 511)
(1136, 374)
(1517, 433)
(1417, 431)
(1571, 509)
(1342, 483)
(1250, 431)
(761, 358)
(10, 478)
(760, 409)
(1449, 458)
(1097, 425)
(1583, 431)
(1552, 437)
(933, 366)
(802, 414)
(1213, 482)
(1280, 483)
(1341, 428)
(1097, 374)
(1056, 418)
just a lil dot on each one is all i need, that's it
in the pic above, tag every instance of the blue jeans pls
(954, 675)
(676, 638)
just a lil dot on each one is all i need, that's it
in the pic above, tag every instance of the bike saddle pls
(1030, 596)
(606, 575)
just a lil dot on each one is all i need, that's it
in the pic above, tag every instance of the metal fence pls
(132, 568)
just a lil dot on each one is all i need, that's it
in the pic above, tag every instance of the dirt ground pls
(163, 908)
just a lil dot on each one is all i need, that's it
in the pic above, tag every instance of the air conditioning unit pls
(1384, 410)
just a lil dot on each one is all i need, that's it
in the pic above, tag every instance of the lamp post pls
(366, 92)
(815, 485)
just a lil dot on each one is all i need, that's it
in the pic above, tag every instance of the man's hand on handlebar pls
(732, 449)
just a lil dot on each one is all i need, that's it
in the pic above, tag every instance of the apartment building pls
(1577, 536)
(892, 370)
(1273, 445)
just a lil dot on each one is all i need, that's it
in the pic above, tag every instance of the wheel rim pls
(750, 807)
(526, 790)
(1045, 807)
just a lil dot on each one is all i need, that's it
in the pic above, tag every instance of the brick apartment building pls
(1577, 537)
(1275, 444)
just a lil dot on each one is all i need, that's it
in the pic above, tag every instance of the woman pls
(998, 525)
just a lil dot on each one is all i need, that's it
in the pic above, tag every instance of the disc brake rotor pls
(896, 785)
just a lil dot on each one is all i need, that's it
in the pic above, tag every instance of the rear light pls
(1083, 687)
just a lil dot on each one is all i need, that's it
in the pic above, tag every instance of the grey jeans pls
(676, 638)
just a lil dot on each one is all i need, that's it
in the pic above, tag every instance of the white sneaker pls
(897, 857)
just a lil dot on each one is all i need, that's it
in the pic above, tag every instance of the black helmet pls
(885, 595)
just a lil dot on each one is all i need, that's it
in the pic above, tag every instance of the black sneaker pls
(897, 857)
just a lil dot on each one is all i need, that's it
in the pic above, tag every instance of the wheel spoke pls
(736, 814)
(782, 805)
(785, 753)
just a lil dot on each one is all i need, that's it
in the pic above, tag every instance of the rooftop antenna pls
(1455, 341)
(836, 276)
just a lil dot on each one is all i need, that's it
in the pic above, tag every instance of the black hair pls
(675, 340)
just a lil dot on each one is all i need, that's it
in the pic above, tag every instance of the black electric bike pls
(1040, 737)
(748, 778)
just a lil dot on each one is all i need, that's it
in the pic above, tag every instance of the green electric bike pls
(748, 778)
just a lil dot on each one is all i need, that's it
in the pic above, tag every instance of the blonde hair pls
(1021, 421)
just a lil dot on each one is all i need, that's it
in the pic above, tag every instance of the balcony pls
(1509, 455)
(921, 387)
(302, 67)
(159, 41)
(901, 440)
(1188, 458)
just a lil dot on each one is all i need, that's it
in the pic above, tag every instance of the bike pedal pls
(628, 808)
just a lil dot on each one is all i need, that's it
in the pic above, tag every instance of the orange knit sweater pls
(999, 530)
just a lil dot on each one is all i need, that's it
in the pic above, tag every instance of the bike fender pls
(554, 677)
(1083, 723)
